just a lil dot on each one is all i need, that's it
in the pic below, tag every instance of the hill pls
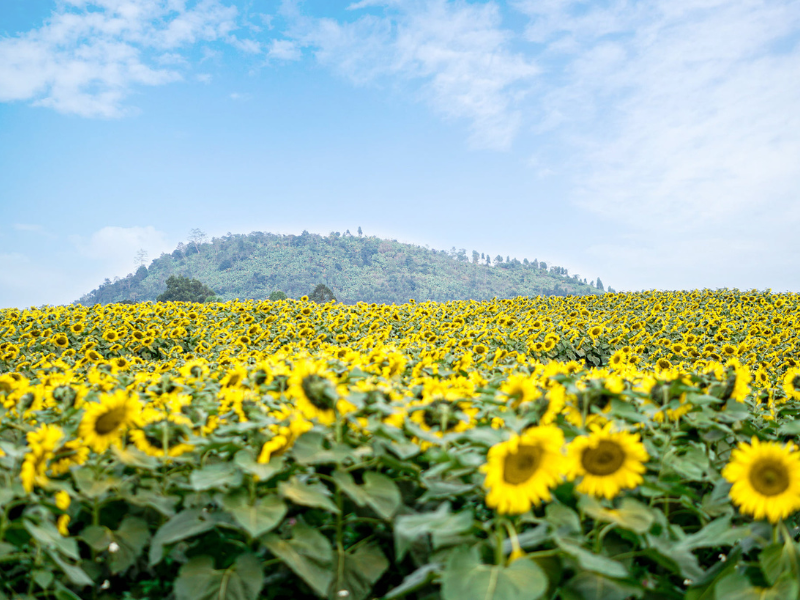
(356, 268)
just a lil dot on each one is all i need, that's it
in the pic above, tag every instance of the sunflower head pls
(521, 471)
(103, 423)
(765, 478)
(607, 461)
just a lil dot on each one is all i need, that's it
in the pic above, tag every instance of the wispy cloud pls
(458, 54)
(90, 53)
(680, 112)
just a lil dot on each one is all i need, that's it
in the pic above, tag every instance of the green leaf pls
(416, 580)
(564, 520)
(703, 588)
(790, 428)
(89, 485)
(309, 450)
(680, 561)
(593, 562)
(443, 527)
(362, 569)
(218, 476)
(75, 574)
(382, 494)
(691, 465)
(591, 586)
(717, 533)
(735, 586)
(42, 578)
(308, 554)
(198, 580)
(133, 457)
(257, 519)
(313, 495)
(131, 538)
(348, 485)
(185, 524)
(149, 498)
(465, 578)
(630, 515)
(777, 559)
(48, 536)
(245, 461)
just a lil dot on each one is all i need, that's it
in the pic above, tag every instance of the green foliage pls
(277, 295)
(322, 294)
(183, 289)
(359, 268)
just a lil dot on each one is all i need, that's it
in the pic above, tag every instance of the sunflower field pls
(587, 447)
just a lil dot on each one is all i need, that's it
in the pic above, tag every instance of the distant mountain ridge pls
(355, 268)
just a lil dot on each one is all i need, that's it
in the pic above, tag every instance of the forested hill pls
(355, 268)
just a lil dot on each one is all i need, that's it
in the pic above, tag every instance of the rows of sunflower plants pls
(602, 447)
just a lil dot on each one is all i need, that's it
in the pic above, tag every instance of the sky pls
(654, 144)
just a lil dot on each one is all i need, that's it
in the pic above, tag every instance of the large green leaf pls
(198, 580)
(361, 570)
(630, 515)
(313, 495)
(185, 524)
(465, 578)
(308, 554)
(378, 491)
(74, 573)
(590, 561)
(411, 583)
(260, 517)
(90, 485)
(218, 476)
(443, 526)
(310, 449)
(245, 461)
(48, 536)
(591, 586)
(128, 542)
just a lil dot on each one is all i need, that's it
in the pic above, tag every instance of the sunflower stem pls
(499, 533)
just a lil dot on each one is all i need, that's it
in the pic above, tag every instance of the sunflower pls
(521, 471)
(791, 383)
(313, 389)
(519, 388)
(61, 340)
(111, 335)
(608, 461)
(765, 478)
(283, 436)
(104, 422)
(161, 438)
(42, 443)
(595, 331)
(76, 328)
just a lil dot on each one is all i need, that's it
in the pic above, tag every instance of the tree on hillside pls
(197, 237)
(140, 259)
(277, 295)
(322, 294)
(183, 289)
(599, 284)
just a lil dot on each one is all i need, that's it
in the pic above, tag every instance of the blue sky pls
(653, 144)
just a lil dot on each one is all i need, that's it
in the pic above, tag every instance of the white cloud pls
(203, 78)
(681, 113)
(458, 53)
(89, 53)
(284, 50)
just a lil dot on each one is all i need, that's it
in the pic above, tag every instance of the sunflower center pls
(796, 383)
(520, 467)
(606, 459)
(110, 421)
(769, 477)
(315, 388)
